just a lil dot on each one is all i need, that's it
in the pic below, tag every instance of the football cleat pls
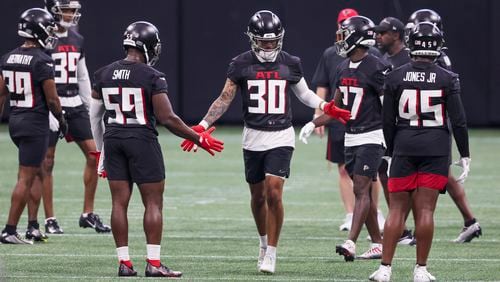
(407, 238)
(268, 264)
(52, 226)
(14, 239)
(375, 252)
(160, 271)
(347, 249)
(346, 226)
(469, 233)
(262, 253)
(36, 235)
(124, 270)
(420, 274)
(93, 221)
(383, 274)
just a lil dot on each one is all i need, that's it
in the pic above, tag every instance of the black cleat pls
(93, 221)
(469, 233)
(407, 238)
(347, 249)
(124, 270)
(7, 238)
(36, 235)
(161, 271)
(52, 227)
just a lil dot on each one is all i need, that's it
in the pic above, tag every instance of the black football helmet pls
(39, 25)
(145, 37)
(420, 16)
(425, 39)
(55, 8)
(265, 26)
(353, 32)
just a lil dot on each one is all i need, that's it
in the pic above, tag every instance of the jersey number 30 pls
(273, 102)
(130, 110)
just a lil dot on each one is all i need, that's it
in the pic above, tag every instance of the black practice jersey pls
(418, 99)
(360, 86)
(444, 61)
(265, 89)
(66, 54)
(127, 88)
(24, 70)
(400, 58)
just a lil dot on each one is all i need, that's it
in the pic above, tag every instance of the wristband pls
(204, 124)
(322, 105)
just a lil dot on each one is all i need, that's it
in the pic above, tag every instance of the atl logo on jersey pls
(267, 75)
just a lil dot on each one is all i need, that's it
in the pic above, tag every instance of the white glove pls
(389, 162)
(464, 163)
(100, 165)
(53, 123)
(306, 131)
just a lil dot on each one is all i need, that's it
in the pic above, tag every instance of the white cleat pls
(375, 252)
(268, 265)
(469, 233)
(262, 253)
(347, 249)
(346, 226)
(383, 274)
(14, 239)
(420, 274)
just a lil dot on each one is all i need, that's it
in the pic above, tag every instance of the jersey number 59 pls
(127, 103)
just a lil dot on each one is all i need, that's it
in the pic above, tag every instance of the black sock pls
(469, 222)
(10, 229)
(422, 265)
(34, 224)
(385, 264)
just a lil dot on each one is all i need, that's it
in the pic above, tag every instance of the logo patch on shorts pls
(366, 167)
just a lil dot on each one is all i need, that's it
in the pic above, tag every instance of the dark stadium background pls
(200, 37)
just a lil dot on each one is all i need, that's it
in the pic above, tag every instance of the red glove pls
(209, 143)
(101, 172)
(188, 145)
(337, 113)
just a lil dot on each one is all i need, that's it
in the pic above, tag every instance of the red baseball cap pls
(345, 14)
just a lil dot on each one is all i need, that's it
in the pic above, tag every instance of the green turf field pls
(209, 232)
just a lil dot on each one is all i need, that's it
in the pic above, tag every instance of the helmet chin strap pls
(266, 56)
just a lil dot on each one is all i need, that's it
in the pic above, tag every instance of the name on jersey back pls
(416, 76)
(19, 59)
(121, 74)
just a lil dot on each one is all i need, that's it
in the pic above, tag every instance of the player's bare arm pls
(166, 116)
(220, 106)
(324, 119)
(50, 90)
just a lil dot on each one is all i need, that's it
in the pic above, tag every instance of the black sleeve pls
(456, 112)
(233, 72)
(95, 83)
(159, 84)
(296, 72)
(378, 78)
(389, 112)
(44, 70)
(320, 78)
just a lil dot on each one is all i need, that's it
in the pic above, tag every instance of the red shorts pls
(411, 172)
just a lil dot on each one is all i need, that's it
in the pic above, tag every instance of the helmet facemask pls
(58, 11)
(266, 55)
(346, 43)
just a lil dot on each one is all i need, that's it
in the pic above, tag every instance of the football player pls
(471, 228)
(131, 97)
(419, 97)
(265, 75)
(390, 40)
(359, 80)
(73, 88)
(324, 79)
(27, 75)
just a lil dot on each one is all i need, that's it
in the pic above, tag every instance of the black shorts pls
(78, 125)
(364, 159)
(335, 145)
(259, 163)
(410, 172)
(32, 149)
(133, 159)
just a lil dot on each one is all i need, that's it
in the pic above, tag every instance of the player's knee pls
(48, 164)
(273, 197)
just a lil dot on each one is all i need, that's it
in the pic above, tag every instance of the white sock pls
(85, 214)
(49, 218)
(122, 253)
(153, 252)
(271, 251)
(263, 241)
